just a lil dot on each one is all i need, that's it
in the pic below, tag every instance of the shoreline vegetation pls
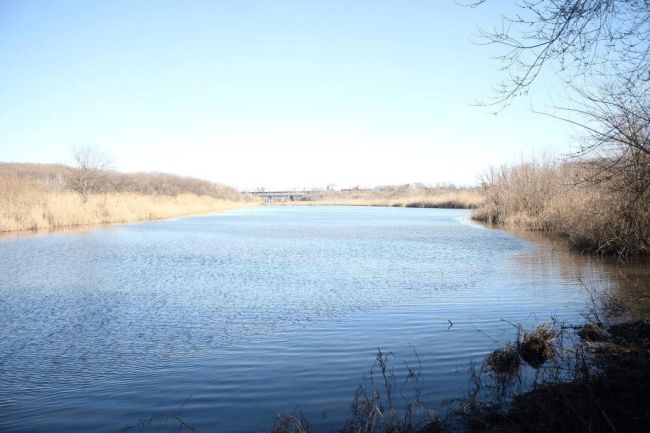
(554, 377)
(39, 197)
(442, 196)
(566, 199)
(579, 201)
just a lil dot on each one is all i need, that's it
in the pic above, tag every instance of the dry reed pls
(28, 205)
(559, 198)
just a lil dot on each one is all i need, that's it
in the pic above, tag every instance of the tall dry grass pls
(29, 205)
(562, 198)
(456, 198)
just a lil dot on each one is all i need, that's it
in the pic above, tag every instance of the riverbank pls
(545, 381)
(602, 215)
(598, 387)
(450, 198)
(66, 209)
(29, 202)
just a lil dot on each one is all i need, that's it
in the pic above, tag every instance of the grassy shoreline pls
(95, 213)
(448, 198)
(553, 378)
(566, 199)
(65, 211)
(28, 203)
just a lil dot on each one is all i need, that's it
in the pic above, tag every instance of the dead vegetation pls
(536, 347)
(599, 199)
(548, 381)
(35, 197)
(384, 404)
(58, 177)
(442, 196)
(504, 361)
(589, 378)
(556, 377)
(602, 388)
(560, 198)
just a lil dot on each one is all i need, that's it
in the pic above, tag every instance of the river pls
(228, 319)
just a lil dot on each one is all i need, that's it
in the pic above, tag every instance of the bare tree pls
(617, 140)
(601, 49)
(91, 165)
(601, 41)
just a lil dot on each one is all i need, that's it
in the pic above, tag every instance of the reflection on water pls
(43, 232)
(254, 312)
(627, 282)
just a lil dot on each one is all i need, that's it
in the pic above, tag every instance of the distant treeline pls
(56, 177)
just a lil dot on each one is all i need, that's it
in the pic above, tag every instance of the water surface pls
(228, 319)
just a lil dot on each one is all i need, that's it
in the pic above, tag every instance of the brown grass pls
(592, 385)
(29, 205)
(558, 197)
(450, 197)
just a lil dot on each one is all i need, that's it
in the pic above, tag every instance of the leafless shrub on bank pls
(601, 50)
(91, 166)
(559, 197)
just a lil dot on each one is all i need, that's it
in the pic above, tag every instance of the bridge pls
(270, 196)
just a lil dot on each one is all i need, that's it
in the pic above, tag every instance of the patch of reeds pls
(579, 386)
(504, 361)
(384, 404)
(561, 198)
(594, 378)
(569, 386)
(290, 424)
(590, 387)
(536, 347)
(29, 205)
(591, 332)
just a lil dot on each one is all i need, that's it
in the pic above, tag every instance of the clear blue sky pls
(260, 93)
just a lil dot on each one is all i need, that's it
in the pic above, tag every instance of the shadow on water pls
(623, 282)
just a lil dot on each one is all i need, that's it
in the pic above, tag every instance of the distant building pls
(332, 187)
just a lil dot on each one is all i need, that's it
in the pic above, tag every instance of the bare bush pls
(560, 198)
(91, 168)
(56, 177)
(601, 49)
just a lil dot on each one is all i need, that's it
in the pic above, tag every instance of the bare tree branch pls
(91, 165)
